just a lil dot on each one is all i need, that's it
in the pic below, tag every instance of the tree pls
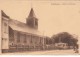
(65, 37)
(49, 40)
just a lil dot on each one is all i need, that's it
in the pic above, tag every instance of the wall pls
(35, 39)
(11, 36)
(5, 33)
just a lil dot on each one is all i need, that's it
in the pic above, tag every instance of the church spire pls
(32, 21)
(31, 14)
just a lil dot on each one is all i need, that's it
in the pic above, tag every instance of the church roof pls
(23, 27)
(3, 14)
(20, 26)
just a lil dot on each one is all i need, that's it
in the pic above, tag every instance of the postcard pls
(40, 27)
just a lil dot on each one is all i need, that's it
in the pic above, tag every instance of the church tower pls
(32, 21)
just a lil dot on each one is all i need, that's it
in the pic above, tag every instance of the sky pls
(54, 16)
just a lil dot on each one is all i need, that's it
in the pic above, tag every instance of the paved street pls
(48, 52)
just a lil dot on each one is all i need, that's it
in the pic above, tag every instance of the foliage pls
(65, 37)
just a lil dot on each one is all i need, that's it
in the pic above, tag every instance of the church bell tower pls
(32, 21)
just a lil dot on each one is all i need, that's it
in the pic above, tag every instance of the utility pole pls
(43, 40)
(31, 4)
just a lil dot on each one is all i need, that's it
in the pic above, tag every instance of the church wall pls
(15, 37)
(30, 42)
(11, 37)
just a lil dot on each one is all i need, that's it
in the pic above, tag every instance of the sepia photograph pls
(39, 27)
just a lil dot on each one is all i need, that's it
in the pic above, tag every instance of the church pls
(19, 36)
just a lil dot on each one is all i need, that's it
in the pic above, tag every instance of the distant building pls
(61, 45)
(18, 36)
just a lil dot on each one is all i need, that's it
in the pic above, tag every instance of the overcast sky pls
(53, 16)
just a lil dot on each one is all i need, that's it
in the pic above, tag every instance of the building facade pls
(18, 36)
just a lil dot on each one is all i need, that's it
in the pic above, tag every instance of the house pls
(19, 36)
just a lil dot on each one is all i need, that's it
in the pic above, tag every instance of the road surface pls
(47, 52)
